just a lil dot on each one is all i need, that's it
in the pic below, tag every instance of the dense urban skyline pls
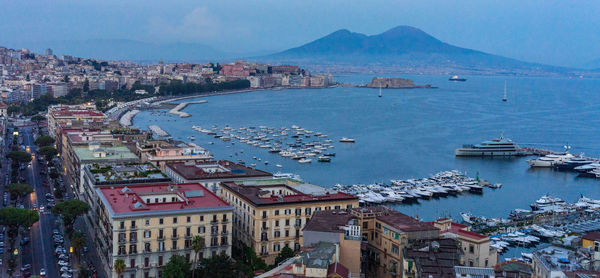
(555, 33)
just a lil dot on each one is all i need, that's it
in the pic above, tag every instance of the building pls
(339, 227)
(66, 115)
(145, 225)
(551, 261)
(591, 241)
(59, 89)
(514, 269)
(430, 258)
(38, 90)
(476, 247)
(94, 153)
(159, 152)
(211, 173)
(49, 52)
(474, 272)
(387, 232)
(271, 214)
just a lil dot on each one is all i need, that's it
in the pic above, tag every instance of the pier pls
(177, 109)
(126, 119)
(158, 131)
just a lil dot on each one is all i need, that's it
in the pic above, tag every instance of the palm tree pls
(119, 266)
(197, 245)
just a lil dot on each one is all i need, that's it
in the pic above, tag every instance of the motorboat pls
(572, 163)
(347, 140)
(304, 160)
(552, 159)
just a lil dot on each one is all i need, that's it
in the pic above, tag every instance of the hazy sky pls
(563, 32)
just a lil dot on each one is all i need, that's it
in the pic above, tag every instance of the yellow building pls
(476, 247)
(271, 214)
(145, 225)
(387, 233)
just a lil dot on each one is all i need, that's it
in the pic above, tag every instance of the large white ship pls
(499, 147)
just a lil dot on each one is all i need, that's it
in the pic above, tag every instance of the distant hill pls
(404, 48)
(122, 49)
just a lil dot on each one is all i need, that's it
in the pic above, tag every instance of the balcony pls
(264, 239)
(224, 221)
(123, 240)
(264, 228)
(188, 236)
(214, 222)
(161, 238)
(133, 240)
(134, 228)
(174, 237)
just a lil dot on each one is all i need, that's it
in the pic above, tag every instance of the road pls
(40, 252)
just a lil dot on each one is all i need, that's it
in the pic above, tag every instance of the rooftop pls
(318, 256)
(111, 173)
(123, 201)
(593, 236)
(436, 258)
(222, 169)
(77, 113)
(555, 258)
(85, 153)
(260, 195)
(329, 221)
(397, 219)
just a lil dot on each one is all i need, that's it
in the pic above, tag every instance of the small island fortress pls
(393, 83)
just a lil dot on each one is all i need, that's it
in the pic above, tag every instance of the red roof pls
(338, 269)
(190, 196)
(460, 230)
(594, 236)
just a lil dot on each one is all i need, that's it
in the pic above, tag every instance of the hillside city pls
(85, 195)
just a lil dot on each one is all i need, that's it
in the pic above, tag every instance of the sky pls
(565, 33)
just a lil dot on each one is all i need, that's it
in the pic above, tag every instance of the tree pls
(38, 118)
(197, 245)
(249, 261)
(70, 210)
(220, 266)
(84, 272)
(119, 266)
(43, 141)
(77, 242)
(283, 255)
(48, 152)
(15, 217)
(19, 189)
(19, 156)
(66, 78)
(177, 267)
(86, 85)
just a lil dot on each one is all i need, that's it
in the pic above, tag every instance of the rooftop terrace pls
(222, 169)
(125, 173)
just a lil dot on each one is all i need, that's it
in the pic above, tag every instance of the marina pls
(441, 184)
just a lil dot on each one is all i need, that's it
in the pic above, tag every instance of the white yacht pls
(304, 160)
(347, 140)
(498, 147)
(552, 159)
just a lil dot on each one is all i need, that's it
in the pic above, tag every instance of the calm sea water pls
(412, 133)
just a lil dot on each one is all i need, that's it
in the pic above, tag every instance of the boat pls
(552, 159)
(279, 166)
(545, 202)
(380, 95)
(504, 98)
(466, 217)
(304, 160)
(498, 147)
(324, 158)
(329, 154)
(347, 140)
(572, 163)
(456, 78)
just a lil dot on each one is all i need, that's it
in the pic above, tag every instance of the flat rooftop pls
(77, 113)
(222, 169)
(270, 194)
(397, 219)
(112, 153)
(112, 173)
(159, 199)
(329, 221)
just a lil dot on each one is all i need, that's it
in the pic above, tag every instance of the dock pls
(158, 131)
(177, 109)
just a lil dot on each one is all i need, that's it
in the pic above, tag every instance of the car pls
(63, 263)
(66, 275)
(85, 249)
(1, 250)
(1, 243)
(63, 257)
(0, 261)
(56, 232)
(34, 206)
(42, 271)
(66, 269)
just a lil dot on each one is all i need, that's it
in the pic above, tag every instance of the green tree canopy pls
(15, 217)
(19, 156)
(220, 266)
(43, 141)
(119, 266)
(70, 210)
(284, 254)
(19, 189)
(48, 152)
(38, 118)
(177, 267)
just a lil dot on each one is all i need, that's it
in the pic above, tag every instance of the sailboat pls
(504, 97)
(379, 91)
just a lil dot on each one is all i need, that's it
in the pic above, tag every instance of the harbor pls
(177, 109)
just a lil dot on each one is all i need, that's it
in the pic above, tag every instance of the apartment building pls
(211, 173)
(145, 225)
(66, 115)
(270, 214)
(387, 233)
(476, 247)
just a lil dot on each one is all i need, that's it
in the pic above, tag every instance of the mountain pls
(403, 48)
(123, 49)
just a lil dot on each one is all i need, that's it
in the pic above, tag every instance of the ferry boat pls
(456, 78)
(498, 147)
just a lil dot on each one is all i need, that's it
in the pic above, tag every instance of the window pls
(132, 263)
(201, 218)
(287, 233)
(471, 248)
(147, 234)
(174, 220)
(160, 262)
(188, 231)
(277, 234)
(187, 243)
(201, 229)
(264, 214)
(486, 262)
(161, 234)
(276, 212)
(470, 263)
(161, 221)
(287, 222)
(288, 211)
(224, 217)
(307, 211)
(132, 224)
(147, 222)
(318, 209)
(276, 247)
(395, 249)
(161, 246)
(276, 223)
(188, 219)
(122, 250)
(348, 206)
(365, 225)
(298, 222)
(122, 225)
(174, 232)
(146, 262)
(147, 247)
(298, 212)
(337, 207)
